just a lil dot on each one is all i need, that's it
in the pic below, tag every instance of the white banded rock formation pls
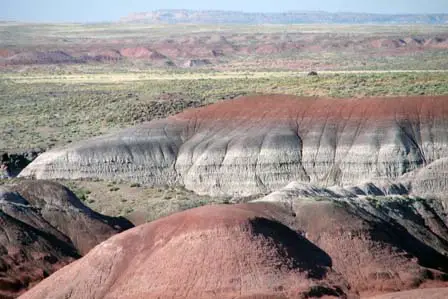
(258, 144)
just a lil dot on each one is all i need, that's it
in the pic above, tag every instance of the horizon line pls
(119, 20)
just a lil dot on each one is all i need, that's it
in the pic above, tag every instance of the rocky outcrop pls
(258, 144)
(43, 227)
(209, 252)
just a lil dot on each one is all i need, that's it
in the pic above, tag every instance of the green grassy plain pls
(44, 110)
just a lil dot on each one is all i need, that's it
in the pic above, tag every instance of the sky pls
(111, 10)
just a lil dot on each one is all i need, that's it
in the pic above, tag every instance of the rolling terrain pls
(365, 183)
(257, 160)
(256, 250)
(249, 261)
(224, 47)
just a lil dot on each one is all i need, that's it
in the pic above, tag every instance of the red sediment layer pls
(286, 107)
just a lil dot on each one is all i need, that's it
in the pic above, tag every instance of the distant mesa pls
(311, 17)
(43, 228)
(223, 252)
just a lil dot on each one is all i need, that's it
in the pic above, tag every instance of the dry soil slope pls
(43, 226)
(380, 244)
(208, 252)
(258, 144)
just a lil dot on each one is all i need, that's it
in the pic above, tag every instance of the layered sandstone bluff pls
(259, 144)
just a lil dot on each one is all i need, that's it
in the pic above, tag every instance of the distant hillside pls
(231, 17)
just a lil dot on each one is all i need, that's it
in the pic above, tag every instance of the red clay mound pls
(43, 226)
(208, 252)
(142, 53)
(170, 49)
